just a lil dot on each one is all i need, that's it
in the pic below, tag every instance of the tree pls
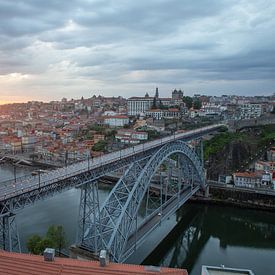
(33, 244)
(56, 235)
(55, 238)
(188, 101)
(36, 244)
(197, 104)
(100, 146)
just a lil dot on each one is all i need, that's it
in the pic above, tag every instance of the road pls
(155, 218)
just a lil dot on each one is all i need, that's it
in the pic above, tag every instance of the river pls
(200, 234)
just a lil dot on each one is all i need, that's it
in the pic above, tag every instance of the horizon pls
(52, 50)
(150, 94)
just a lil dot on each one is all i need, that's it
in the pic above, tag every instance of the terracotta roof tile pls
(23, 264)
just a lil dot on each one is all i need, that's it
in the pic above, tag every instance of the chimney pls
(103, 258)
(49, 254)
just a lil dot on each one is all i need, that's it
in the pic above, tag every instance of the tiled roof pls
(23, 264)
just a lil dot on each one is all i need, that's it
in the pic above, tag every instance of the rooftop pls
(214, 270)
(23, 264)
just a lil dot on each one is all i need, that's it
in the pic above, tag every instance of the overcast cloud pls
(53, 49)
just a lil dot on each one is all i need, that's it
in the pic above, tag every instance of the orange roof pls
(248, 174)
(23, 264)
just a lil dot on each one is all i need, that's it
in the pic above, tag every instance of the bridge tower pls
(9, 237)
(116, 226)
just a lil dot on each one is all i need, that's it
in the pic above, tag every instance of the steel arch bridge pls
(114, 226)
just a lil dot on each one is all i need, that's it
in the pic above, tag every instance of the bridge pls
(114, 225)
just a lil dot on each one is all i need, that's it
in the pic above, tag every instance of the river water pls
(199, 234)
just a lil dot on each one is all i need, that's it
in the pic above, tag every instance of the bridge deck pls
(12, 189)
(154, 219)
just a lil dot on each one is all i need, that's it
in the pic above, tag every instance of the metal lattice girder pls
(9, 238)
(88, 234)
(120, 209)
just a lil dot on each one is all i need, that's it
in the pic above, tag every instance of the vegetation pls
(264, 135)
(217, 143)
(188, 101)
(152, 134)
(197, 104)
(55, 238)
(100, 146)
(192, 102)
(99, 129)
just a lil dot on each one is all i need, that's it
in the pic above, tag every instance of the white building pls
(116, 121)
(265, 166)
(130, 136)
(158, 114)
(28, 143)
(250, 110)
(139, 105)
(247, 179)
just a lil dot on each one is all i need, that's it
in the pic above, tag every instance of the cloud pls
(70, 48)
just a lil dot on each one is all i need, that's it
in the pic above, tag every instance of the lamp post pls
(14, 172)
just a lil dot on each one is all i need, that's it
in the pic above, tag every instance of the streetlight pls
(14, 172)
(39, 179)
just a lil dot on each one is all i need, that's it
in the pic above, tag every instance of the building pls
(25, 264)
(172, 113)
(116, 121)
(28, 143)
(131, 137)
(253, 179)
(271, 154)
(140, 105)
(268, 166)
(247, 179)
(250, 110)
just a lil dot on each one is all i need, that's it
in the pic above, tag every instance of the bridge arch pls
(118, 214)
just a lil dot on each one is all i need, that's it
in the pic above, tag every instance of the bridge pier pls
(88, 234)
(9, 237)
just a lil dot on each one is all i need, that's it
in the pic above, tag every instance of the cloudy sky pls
(51, 49)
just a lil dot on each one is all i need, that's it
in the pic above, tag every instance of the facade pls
(271, 154)
(131, 137)
(253, 179)
(28, 143)
(116, 121)
(268, 166)
(158, 114)
(247, 179)
(140, 105)
(250, 110)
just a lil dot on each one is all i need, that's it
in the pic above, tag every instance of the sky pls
(59, 48)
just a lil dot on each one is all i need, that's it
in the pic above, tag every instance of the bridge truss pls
(114, 225)
(113, 228)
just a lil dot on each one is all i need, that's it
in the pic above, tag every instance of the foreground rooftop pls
(23, 264)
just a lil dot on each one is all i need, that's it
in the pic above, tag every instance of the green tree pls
(33, 244)
(188, 101)
(100, 146)
(36, 244)
(197, 104)
(56, 236)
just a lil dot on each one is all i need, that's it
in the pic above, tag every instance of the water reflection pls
(203, 231)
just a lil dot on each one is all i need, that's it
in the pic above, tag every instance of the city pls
(123, 151)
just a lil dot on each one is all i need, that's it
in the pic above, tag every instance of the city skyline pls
(52, 50)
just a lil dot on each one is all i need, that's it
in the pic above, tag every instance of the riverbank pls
(263, 200)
